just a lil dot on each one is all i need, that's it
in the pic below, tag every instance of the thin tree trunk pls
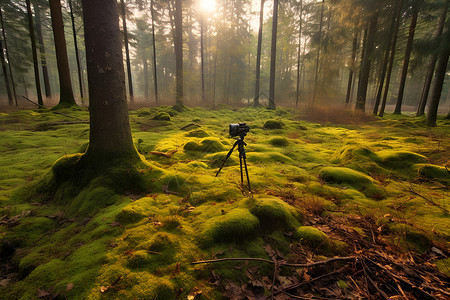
(316, 73)
(65, 84)
(432, 64)
(352, 67)
(391, 59)
(45, 77)
(155, 76)
(33, 50)
(202, 58)
(77, 55)
(366, 62)
(145, 63)
(439, 78)
(110, 133)
(401, 90)
(7, 57)
(179, 51)
(297, 92)
(258, 55)
(127, 50)
(273, 55)
(5, 73)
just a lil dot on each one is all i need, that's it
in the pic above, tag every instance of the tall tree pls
(412, 30)
(316, 73)
(155, 75)
(297, 93)
(352, 66)
(110, 133)
(273, 55)
(45, 76)
(5, 74)
(432, 63)
(65, 84)
(202, 58)
(33, 50)
(127, 50)
(178, 16)
(258, 55)
(77, 54)
(7, 56)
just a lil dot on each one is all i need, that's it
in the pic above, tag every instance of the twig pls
(428, 200)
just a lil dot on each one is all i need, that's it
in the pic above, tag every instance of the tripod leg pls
(240, 164)
(228, 155)
(246, 172)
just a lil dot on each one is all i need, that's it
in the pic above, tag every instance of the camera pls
(239, 129)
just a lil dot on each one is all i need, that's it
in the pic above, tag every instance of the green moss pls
(433, 172)
(199, 133)
(144, 112)
(273, 124)
(46, 276)
(233, 226)
(279, 141)
(162, 116)
(313, 237)
(400, 159)
(275, 214)
(135, 211)
(443, 265)
(206, 145)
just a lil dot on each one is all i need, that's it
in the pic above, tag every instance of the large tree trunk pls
(5, 73)
(45, 77)
(391, 59)
(35, 58)
(145, 64)
(127, 51)
(7, 56)
(319, 46)
(258, 55)
(432, 64)
(352, 67)
(401, 89)
(110, 134)
(273, 55)
(366, 62)
(77, 55)
(178, 16)
(65, 84)
(155, 76)
(439, 77)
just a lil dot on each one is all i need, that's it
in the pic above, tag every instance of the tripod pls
(240, 143)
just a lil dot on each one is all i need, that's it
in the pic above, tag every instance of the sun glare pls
(207, 6)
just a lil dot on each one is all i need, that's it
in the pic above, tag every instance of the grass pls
(133, 232)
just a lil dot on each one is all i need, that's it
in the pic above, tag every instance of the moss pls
(162, 116)
(152, 288)
(313, 237)
(273, 124)
(144, 112)
(443, 265)
(274, 214)
(279, 141)
(173, 183)
(433, 172)
(46, 276)
(206, 145)
(352, 178)
(199, 133)
(400, 159)
(233, 226)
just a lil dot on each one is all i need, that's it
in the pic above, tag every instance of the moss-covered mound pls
(163, 116)
(234, 226)
(313, 237)
(351, 178)
(279, 141)
(400, 159)
(433, 172)
(273, 124)
(206, 145)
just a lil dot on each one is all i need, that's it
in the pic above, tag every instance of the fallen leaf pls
(42, 293)
(69, 286)
(104, 288)
(194, 292)
(4, 282)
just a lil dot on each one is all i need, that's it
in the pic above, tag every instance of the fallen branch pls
(165, 154)
(428, 200)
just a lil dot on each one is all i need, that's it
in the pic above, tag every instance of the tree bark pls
(155, 76)
(127, 50)
(366, 62)
(202, 62)
(297, 91)
(178, 16)
(432, 64)
(5, 73)
(316, 73)
(391, 59)
(439, 77)
(65, 83)
(45, 77)
(352, 67)
(7, 57)
(412, 29)
(273, 56)
(33, 50)
(258, 55)
(77, 55)
(110, 133)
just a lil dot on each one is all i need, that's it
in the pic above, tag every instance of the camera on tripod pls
(240, 129)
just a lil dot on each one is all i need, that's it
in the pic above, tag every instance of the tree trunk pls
(145, 63)
(77, 55)
(366, 62)
(439, 77)
(297, 91)
(316, 73)
(65, 84)
(432, 64)
(391, 59)
(155, 76)
(273, 55)
(352, 67)
(202, 58)
(258, 55)
(45, 77)
(33, 50)
(179, 51)
(401, 90)
(7, 57)
(127, 51)
(110, 133)
(5, 73)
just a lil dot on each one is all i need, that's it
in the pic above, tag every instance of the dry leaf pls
(69, 286)
(194, 292)
(104, 288)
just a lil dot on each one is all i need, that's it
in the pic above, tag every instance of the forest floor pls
(342, 206)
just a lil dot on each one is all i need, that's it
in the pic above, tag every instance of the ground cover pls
(373, 192)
